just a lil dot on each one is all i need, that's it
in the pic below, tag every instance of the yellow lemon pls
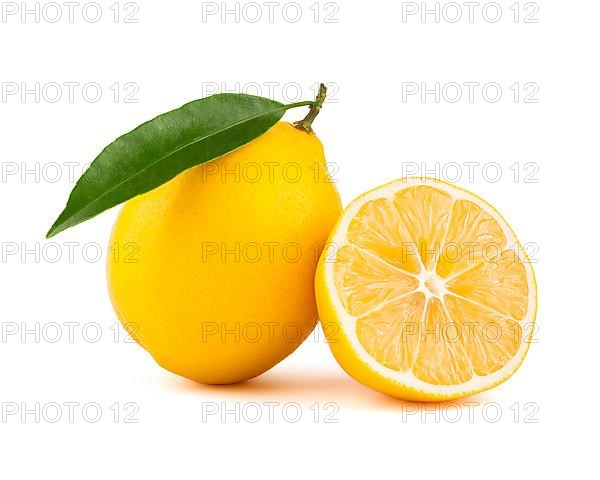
(425, 293)
(218, 281)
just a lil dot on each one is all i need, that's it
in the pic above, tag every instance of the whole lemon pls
(216, 267)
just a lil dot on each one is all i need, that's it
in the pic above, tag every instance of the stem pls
(306, 123)
(305, 103)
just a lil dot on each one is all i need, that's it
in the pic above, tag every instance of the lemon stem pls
(306, 123)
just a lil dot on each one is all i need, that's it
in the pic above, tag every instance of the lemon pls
(425, 293)
(220, 287)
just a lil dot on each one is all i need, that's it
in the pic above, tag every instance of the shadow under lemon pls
(306, 387)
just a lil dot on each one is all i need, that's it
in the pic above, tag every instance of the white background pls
(369, 57)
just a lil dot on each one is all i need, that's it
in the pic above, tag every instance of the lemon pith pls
(429, 292)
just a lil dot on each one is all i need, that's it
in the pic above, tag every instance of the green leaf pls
(160, 149)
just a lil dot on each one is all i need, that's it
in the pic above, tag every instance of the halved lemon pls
(425, 293)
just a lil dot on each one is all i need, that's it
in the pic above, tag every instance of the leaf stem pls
(305, 103)
(306, 123)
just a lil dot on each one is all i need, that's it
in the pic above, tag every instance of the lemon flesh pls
(429, 295)
(220, 288)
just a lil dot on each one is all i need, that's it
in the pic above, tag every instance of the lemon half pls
(425, 293)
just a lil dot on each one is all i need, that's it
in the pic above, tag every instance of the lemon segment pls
(388, 334)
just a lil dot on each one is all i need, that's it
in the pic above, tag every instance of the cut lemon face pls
(425, 293)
